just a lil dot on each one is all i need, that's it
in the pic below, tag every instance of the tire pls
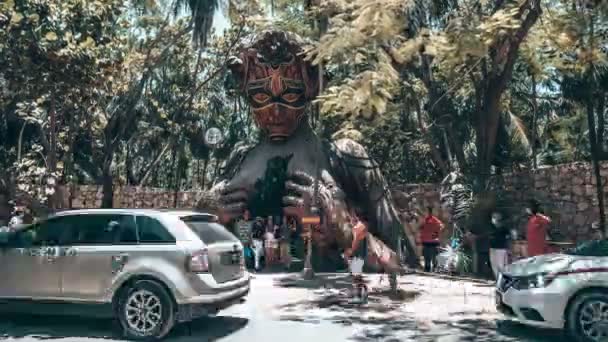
(159, 319)
(581, 310)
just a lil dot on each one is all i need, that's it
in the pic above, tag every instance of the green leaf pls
(88, 43)
(16, 18)
(51, 36)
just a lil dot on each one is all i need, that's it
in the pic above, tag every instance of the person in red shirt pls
(537, 230)
(429, 237)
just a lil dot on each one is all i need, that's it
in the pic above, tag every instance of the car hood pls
(548, 263)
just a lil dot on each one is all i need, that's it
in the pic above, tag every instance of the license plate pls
(498, 298)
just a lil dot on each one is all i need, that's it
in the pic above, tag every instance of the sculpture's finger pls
(302, 178)
(299, 189)
(327, 179)
(236, 208)
(293, 201)
(228, 188)
(235, 196)
(297, 212)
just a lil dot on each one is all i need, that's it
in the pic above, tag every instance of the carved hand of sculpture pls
(300, 196)
(332, 203)
(232, 201)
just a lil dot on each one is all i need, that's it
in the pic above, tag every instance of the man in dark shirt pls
(499, 241)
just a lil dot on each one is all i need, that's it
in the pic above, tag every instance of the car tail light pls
(198, 262)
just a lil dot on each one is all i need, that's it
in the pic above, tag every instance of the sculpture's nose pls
(274, 114)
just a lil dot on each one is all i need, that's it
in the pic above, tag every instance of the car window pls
(594, 248)
(209, 232)
(152, 231)
(54, 232)
(97, 229)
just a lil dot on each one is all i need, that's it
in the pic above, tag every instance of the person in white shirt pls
(270, 245)
(257, 239)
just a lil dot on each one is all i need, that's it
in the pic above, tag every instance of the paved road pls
(283, 309)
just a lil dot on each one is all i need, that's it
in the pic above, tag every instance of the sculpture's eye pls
(261, 97)
(291, 97)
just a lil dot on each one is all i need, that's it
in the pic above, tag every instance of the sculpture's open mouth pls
(279, 131)
(279, 137)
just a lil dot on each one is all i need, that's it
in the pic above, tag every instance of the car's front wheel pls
(145, 311)
(587, 317)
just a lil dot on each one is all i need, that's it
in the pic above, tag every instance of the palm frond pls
(518, 130)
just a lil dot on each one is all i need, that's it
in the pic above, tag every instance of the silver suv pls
(148, 268)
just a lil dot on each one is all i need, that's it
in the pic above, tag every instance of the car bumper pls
(537, 307)
(220, 296)
(210, 304)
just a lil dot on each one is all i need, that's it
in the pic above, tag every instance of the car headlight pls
(532, 282)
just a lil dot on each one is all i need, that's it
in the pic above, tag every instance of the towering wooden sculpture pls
(277, 176)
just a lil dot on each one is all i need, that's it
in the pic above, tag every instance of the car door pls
(94, 258)
(32, 268)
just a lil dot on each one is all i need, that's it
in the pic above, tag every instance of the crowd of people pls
(499, 235)
(268, 241)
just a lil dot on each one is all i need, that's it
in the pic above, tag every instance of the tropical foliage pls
(121, 92)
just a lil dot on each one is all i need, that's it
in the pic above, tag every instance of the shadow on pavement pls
(467, 329)
(207, 329)
(336, 303)
(333, 280)
(383, 319)
(31, 327)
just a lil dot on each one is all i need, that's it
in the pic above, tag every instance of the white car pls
(563, 291)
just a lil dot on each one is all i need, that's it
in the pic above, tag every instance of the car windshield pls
(597, 248)
(209, 232)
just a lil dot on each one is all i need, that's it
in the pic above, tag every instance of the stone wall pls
(567, 195)
(89, 196)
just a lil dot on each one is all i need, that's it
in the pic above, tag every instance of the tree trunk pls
(503, 56)
(52, 153)
(487, 131)
(534, 115)
(178, 174)
(107, 183)
(20, 141)
(596, 165)
(457, 147)
(172, 175)
(146, 174)
(203, 180)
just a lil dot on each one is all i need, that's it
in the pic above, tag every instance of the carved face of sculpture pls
(277, 83)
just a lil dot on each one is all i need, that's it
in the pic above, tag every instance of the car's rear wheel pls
(145, 311)
(587, 317)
